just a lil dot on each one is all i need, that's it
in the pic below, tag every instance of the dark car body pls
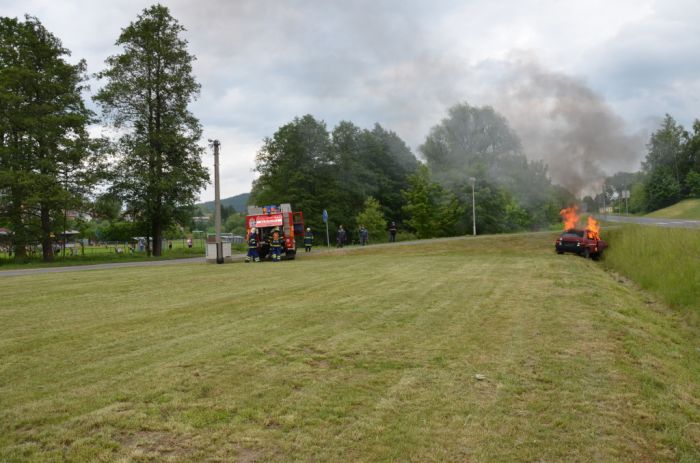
(582, 242)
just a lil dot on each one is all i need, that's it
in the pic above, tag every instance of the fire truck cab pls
(266, 219)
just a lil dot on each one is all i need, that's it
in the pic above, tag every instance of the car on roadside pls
(585, 243)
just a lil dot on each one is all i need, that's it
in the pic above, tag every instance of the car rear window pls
(573, 234)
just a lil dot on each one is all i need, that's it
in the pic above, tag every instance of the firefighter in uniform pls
(252, 247)
(276, 246)
(308, 239)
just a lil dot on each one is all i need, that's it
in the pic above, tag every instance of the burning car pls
(584, 242)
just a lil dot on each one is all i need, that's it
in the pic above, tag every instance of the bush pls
(405, 236)
(373, 219)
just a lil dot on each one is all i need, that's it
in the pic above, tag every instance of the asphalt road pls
(671, 223)
(78, 268)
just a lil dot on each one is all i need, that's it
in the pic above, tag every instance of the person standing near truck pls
(276, 246)
(308, 240)
(252, 247)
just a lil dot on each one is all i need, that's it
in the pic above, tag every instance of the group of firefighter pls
(276, 242)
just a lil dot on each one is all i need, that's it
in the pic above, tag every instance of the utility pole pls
(622, 196)
(217, 205)
(473, 180)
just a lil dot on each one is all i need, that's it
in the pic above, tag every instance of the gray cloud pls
(403, 63)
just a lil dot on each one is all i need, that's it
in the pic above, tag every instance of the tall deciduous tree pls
(295, 166)
(304, 164)
(148, 90)
(44, 146)
(478, 142)
(666, 150)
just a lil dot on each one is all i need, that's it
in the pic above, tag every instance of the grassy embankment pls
(662, 260)
(361, 355)
(686, 209)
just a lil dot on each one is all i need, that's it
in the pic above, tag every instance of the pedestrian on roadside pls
(392, 232)
(308, 240)
(364, 235)
(341, 237)
(189, 243)
(252, 247)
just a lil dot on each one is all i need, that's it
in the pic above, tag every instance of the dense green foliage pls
(306, 165)
(45, 151)
(314, 169)
(513, 193)
(149, 87)
(670, 171)
(432, 210)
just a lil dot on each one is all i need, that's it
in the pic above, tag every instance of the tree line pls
(150, 174)
(669, 173)
(371, 177)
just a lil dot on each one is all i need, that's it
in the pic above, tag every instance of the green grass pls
(358, 355)
(686, 209)
(663, 260)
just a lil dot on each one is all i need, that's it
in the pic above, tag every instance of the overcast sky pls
(403, 63)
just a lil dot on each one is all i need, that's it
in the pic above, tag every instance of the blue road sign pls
(325, 215)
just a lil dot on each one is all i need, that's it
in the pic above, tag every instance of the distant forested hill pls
(238, 202)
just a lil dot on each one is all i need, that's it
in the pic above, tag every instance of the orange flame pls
(569, 216)
(593, 228)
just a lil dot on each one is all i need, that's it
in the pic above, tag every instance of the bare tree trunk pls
(19, 239)
(46, 242)
(157, 238)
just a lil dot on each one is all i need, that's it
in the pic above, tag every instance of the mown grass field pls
(359, 355)
(686, 209)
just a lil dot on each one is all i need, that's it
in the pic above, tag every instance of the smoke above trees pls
(563, 122)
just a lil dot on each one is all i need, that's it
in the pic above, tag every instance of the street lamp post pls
(473, 180)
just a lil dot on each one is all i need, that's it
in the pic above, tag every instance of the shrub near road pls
(358, 355)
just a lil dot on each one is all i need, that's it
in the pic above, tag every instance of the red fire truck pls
(265, 219)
